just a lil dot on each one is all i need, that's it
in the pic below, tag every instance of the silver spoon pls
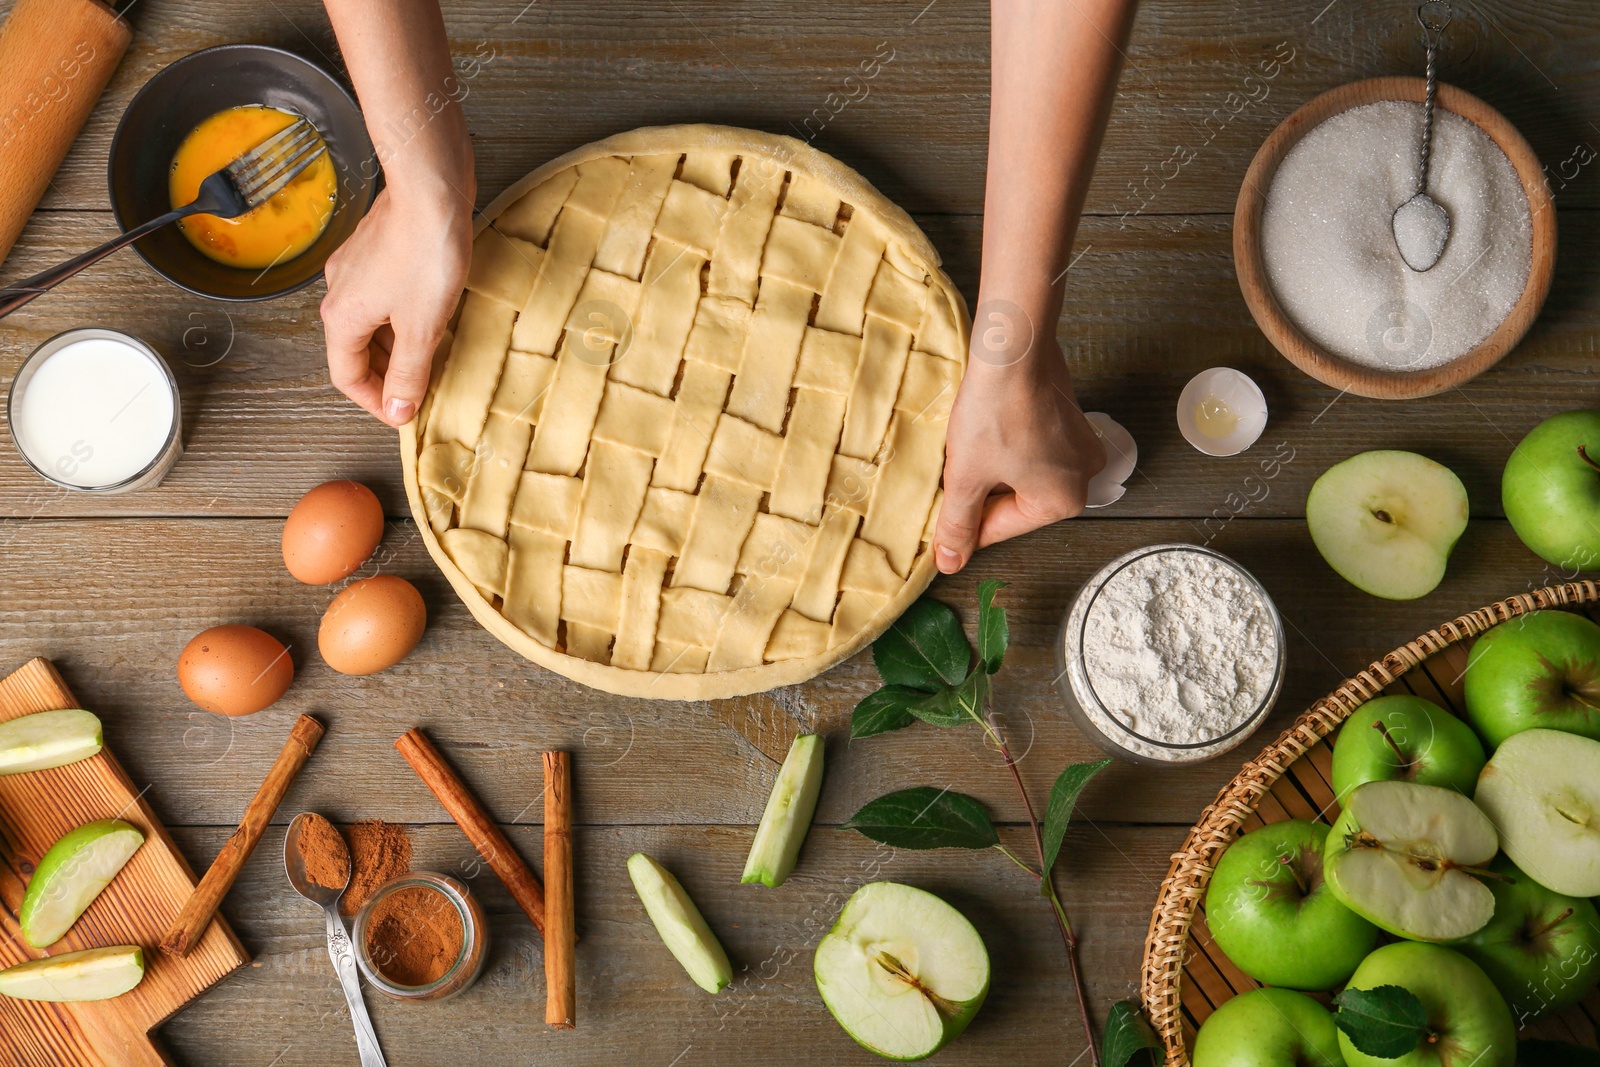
(344, 962)
(1421, 224)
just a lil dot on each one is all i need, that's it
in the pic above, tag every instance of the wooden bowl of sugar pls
(1315, 253)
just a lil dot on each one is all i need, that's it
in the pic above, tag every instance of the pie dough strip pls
(641, 607)
(796, 637)
(614, 484)
(561, 276)
(532, 215)
(501, 452)
(743, 453)
(748, 624)
(800, 253)
(844, 298)
(503, 268)
(533, 571)
(736, 259)
(523, 384)
(724, 512)
(690, 617)
(664, 522)
(668, 298)
(471, 372)
(561, 439)
(810, 201)
(771, 353)
(904, 494)
(884, 349)
(548, 503)
(627, 235)
(819, 587)
(697, 409)
(776, 550)
(807, 456)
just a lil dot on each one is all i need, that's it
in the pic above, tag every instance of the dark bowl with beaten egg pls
(179, 98)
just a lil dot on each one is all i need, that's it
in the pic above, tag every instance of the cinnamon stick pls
(201, 907)
(560, 936)
(475, 822)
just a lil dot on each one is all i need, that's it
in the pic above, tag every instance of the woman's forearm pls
(1055, 65)
(399, 62)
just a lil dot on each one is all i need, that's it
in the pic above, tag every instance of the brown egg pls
(372, 624)
(332, 531)
(234, 670)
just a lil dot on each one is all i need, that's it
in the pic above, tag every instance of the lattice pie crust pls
(688, 438)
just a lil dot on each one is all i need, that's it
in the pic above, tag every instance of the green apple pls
(680, 924)
(1268, 1028)
(1270, 910)
(1408, 739)
(1541, 789)
(1539, 670)
(1411, 859)
(71, 875)
(788, 816)
(1386, 521)
(92, 974)
(902, 971)
(1551, 490)
(1541, 949)
(1468, 1020)
(48, 739)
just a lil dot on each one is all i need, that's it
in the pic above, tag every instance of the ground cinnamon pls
(414, 935)
(379, 851)
(322, 850)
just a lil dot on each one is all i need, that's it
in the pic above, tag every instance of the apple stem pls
(1377, 724)
(1583, 454)
(1068, 938)
(898, 969)
(1577, 697)
(1294, 872)
(1486, 874)
(1551, 925)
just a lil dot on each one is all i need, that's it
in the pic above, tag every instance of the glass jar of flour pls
(1170, 654)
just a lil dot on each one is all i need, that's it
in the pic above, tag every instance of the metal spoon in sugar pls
(1421, 224)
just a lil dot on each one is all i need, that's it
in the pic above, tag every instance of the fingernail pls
(398, 411)
(948, 559)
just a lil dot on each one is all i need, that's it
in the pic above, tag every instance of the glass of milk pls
(96, 410)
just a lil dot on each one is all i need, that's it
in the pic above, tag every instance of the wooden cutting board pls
(35, 810)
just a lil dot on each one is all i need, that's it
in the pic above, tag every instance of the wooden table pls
(111, 588)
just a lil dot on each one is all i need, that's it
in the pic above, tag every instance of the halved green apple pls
(680, 923)
(1410, 858)
(1541, 789)
(92, 974)
(788, 814)
(902, 971)
(48, 739)
(71, 875)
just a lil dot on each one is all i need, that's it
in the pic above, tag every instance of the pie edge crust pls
(853, 188)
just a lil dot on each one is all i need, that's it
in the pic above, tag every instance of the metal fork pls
(241, 186)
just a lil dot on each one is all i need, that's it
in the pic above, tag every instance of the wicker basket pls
(1185, 975)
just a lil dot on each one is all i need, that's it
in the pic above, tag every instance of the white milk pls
(94, 413)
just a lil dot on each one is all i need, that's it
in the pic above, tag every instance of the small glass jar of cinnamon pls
(421, 936)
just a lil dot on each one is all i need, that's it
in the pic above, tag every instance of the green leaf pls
(1555, 1054)
(1129, 1039)
(924, 649)
(1387, 1021)
(1063, 798)
(887, 709)
(993, 633)
(925, 818)
(954, 706)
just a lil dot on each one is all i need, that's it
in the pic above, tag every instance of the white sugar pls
(1329, 248)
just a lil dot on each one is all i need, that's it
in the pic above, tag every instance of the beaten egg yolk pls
(279, 229)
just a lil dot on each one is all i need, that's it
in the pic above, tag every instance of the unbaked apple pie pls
(686, 435)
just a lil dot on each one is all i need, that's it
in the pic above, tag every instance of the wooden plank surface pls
(113, 587)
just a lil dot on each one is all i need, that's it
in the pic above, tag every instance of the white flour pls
(1328, 242)
(1179, 647)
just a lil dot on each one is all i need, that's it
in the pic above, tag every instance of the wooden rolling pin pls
(475, 822)
(201, 908)
(55, 59)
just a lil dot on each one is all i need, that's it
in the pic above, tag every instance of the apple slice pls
(680, 923)
(92, 974)
(1386, 521)
(902, 971)
(48, 739)
(1408, 857)
(788, 816)
(71, 875)
(1542, 790)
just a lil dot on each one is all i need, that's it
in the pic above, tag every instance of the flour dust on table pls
(1329, 239)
